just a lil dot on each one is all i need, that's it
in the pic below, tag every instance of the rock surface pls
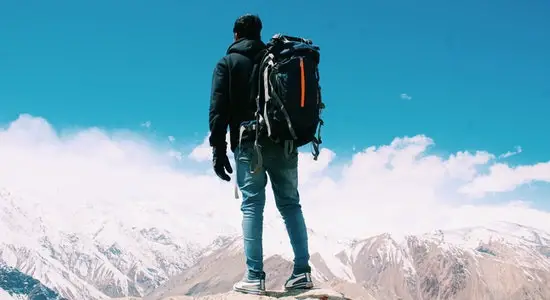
(317, 293)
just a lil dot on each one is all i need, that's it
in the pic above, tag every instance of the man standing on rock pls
(231, 105)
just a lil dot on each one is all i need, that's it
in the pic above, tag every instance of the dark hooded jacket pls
(230, 102)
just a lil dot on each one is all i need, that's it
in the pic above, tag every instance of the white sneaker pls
(250, 286)
(299, 281)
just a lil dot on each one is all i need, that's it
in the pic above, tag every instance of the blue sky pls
(478, 72)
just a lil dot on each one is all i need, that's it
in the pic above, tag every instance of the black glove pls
(221, 163)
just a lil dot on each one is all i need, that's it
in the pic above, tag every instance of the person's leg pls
(252, 187)
(283, 173)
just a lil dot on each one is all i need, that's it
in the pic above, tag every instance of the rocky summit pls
(322, 294)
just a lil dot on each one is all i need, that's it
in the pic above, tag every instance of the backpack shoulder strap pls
(254, 76)
(254, 83)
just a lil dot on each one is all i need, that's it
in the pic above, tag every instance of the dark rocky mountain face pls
(16, 283)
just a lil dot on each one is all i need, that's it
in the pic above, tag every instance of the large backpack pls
(288, 94)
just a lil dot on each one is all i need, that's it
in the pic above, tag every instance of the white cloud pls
(176, 155)
(462, 165)
(405, 97)
(146, 124)
(517, 150)
(77, 181)
(171, 139)
(503, 178)
(203, 152)
(310, 168)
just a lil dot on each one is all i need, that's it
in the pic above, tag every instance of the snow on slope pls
(389, 249)
(102, 256)
(528, 246)
(121, 250)
(395, 249)
(5, 296)
(441, 264)
(504, 232)
(524, 246)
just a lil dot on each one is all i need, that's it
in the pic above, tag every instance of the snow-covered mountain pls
(109, 259)
(502, 261)
(102, 256)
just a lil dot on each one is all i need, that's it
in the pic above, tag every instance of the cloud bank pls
(79, 179)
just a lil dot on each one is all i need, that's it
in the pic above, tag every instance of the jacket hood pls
(246, 47)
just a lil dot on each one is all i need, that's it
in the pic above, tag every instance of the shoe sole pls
(253, 292)
(302, 286)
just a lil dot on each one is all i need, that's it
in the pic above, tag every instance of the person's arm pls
(219, 106)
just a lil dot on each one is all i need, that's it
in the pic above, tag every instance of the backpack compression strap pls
(255, 96)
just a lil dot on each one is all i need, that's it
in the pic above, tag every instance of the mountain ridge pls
(116, 259)
(412, 267)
